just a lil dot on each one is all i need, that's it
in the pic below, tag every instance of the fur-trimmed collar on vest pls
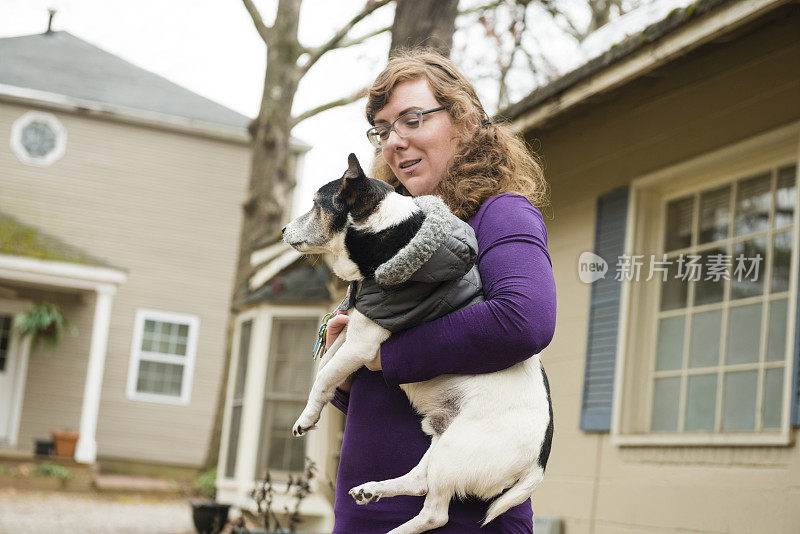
(434, 231)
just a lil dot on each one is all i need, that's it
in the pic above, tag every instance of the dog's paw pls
(299, 430)
(365, 493)
(304, 424)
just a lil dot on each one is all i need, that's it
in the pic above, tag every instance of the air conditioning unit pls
(547, 525)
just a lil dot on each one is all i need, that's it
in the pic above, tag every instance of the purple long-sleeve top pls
(383, 438)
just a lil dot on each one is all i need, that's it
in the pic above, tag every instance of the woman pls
(434, 138)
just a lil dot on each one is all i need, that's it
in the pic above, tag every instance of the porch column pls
(86, 450)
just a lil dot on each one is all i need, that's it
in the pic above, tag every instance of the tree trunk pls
(271, 175)
(424, 23)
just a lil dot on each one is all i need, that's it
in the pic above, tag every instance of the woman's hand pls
(335, 326)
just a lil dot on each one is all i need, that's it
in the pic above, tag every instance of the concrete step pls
(129, 484)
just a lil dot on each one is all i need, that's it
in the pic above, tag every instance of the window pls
(289, 376)
(38, 138)
(162, 357)
(237, 400)
(721, 335)
(706, 345)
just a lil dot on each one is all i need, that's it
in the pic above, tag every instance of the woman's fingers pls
(335, 326)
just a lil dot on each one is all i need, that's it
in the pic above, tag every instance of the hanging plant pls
(46, 323)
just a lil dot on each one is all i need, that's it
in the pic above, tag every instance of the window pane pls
(781, 261)
(776, 336)
(704, 348)
(785, 196)
(679, 224)
(280, 451)
(292, 365)
(674, 290)
(244, 351)
(744, 334)
(749, 260)
(714, 214)
(711, 289)
(701, 402)
(233, 441)
(160, 378)
(773, 398)
(753, 203)
(739, 410)
(670, 343)
(666, 392)
(165, 338)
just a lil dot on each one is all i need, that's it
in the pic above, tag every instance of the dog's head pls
(337, 205)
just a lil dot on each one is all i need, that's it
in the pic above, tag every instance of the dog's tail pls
(517, 493)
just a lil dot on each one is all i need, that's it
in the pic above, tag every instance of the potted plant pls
(64, 442)
(46, 323)
(209, 516)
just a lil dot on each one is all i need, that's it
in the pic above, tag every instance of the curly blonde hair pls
(490, 158)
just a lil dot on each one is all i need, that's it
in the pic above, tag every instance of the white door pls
(13, 363)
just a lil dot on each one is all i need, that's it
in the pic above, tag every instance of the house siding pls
(165, 207)
(724, 92)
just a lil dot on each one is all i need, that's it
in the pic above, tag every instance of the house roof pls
(622, 51)
(284, 275)
(18, 239)
(62, 64)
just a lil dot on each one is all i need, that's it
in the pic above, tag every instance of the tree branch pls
(335, 41)
(359, 40)
(330, 105)
(263, 30)
(477, 9)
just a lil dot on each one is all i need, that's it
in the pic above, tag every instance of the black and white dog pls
(490, 433)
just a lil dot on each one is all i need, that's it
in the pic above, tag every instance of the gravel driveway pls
(41, 512)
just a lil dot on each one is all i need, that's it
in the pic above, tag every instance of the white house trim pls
(57, 273)
(186, 361)
(682, 41)
(86, 449)
(236, 490)
(23, 348)
(161, 121)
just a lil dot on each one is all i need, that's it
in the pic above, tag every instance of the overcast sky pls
(212, 48)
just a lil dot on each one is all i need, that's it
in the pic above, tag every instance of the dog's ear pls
(353, 183)
(354, 170)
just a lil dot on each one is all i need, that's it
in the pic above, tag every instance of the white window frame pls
(53, 123)
(646, 216)
(236, 489)
(137, 355)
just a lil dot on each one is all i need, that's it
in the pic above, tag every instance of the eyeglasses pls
(405, 125)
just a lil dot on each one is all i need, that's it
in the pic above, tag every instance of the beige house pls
(675, 388)
(120, 198)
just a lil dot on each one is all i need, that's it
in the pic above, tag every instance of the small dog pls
(490, 433)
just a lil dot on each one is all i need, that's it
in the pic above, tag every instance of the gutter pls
(162, 121)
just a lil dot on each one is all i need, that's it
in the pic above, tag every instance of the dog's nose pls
(283, 230)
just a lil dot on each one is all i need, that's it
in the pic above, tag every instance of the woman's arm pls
(516, 321)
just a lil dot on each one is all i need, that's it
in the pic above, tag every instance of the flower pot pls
(64, 442)
(209, 517)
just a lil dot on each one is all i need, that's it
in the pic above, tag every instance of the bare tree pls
(272, 174)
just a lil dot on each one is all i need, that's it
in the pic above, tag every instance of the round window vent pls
(38, 138)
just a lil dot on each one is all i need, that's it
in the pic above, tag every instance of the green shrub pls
(205, 483)
(49, 469)
(46, 323)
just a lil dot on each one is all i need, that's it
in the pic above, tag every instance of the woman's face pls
(418, 161)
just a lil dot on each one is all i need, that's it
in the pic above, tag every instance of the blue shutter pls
(601, 351)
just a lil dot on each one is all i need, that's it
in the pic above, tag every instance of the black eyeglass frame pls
(391, 127)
